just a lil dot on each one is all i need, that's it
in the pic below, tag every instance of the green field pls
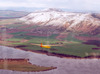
(70, 45)
(74, 48)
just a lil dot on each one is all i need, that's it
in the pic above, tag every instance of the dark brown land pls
(22, 65)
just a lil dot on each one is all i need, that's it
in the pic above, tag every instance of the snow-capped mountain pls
(71, 21)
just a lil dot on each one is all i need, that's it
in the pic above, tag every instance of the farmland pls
(22, 36)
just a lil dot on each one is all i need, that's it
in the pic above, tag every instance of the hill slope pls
(4, 14)
(76, 22)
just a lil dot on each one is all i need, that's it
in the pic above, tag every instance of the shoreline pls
(63, 64)
(11, 63)
(59, 55)
(56, 54)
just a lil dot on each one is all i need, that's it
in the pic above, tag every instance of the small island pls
(22, 65)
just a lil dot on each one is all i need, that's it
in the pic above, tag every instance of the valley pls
(77, 37)
(21, 35)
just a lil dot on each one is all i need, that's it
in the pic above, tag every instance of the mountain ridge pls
(85, 22)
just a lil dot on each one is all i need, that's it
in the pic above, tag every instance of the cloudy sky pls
(84, 5)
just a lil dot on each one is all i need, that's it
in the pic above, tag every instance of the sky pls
(77, 5)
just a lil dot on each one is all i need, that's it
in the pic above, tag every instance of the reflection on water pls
(64, 66)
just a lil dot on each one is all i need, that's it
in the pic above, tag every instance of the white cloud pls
(68, 4)
(92, 5)
(12, 4)
(32, 3)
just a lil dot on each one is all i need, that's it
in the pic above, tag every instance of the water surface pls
(64, 66)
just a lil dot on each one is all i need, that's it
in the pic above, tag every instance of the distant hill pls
(6, 14)
(68, 21)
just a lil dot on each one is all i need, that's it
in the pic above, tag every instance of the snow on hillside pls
(56, 17)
